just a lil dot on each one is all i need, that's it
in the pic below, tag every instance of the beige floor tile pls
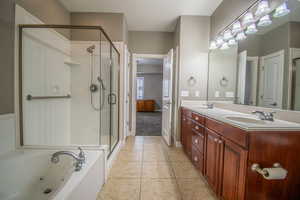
(157, 170)
(121, 169)
(159, 189)
(185, 170)
(153, 140)
(177, 155)
(120, 189)
(130, 155)
(152, 146)
(154, 155)
(195, 189)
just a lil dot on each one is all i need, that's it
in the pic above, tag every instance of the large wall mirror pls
(263, 68)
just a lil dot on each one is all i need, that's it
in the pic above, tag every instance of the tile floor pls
(146, 169)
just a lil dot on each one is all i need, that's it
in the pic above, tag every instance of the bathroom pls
(229, 103)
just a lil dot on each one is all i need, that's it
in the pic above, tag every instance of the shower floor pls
(148, 123)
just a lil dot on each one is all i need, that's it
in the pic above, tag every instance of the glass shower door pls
(114, 100)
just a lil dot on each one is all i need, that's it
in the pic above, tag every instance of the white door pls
(126, 92)
(241, 77)
(271, 83)
(167, 97)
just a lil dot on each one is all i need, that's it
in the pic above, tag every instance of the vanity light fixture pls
(219, 41)
(282, 10)
(251, 29)
(263, 8)
(227, 35)
(241, 36)
(232, 42)
(248, 19)
(236, 27)
(265, 21)
(213, 45)
(224, 46)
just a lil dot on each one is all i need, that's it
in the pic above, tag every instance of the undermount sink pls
(246, 120)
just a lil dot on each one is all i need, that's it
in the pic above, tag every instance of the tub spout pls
(80, 158)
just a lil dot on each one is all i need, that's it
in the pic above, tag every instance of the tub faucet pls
(80, 158)
(265, 115)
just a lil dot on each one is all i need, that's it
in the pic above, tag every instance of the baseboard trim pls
(178, 144)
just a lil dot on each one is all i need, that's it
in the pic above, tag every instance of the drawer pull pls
(196, 141)
(196, 118)
(195, 158)
(197, 127)
(215, 140)
(220, 141)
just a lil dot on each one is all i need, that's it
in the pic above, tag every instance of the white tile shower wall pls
(7, 133)
(46, 122)
(85, 121)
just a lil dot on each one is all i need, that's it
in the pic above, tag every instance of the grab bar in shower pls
(30, 97)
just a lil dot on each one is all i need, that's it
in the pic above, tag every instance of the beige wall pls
(6, 56)
(148, 42)
(113, 24)
(49, 11)
(194, 42)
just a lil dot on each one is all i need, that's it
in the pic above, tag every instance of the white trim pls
(293, 53)
(178, 144)
(133, 89)
(7, 116)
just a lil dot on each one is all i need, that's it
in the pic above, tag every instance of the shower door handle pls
(112, 98)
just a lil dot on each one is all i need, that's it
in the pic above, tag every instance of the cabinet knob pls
(215, 140)
(196, 118)
(183, 119)
(196, 141)
(197, 127)
(220, 141)
(196, 158)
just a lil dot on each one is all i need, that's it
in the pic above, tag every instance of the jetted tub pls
(30, 175)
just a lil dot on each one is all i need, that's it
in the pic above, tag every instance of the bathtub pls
(30, 175)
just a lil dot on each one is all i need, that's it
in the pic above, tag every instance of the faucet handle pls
(81, 153)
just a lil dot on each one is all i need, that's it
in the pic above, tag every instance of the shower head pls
(91, 49)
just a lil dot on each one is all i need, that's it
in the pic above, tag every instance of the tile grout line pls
(142, 166)
(173, 171)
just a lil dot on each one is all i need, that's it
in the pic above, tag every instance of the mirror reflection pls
(264, 68)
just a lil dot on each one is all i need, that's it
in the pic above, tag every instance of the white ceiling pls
(146, 15)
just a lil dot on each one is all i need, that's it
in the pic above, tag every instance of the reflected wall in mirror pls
(268, 65)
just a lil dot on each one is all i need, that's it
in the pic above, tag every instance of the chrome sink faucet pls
(80, 158)
(268, 116)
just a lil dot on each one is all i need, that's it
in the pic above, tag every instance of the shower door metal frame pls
(20, 68)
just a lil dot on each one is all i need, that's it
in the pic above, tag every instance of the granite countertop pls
(262, 125)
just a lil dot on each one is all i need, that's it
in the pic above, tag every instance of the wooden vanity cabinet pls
(224, 155)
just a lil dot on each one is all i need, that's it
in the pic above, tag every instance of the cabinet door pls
(186, 135)
(234, 172)
(213, 153)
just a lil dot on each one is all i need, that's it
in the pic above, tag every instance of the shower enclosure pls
(68, 86)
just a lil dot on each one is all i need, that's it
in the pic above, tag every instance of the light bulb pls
(263, 8)
(282, 10)
(224, 46)
(241, 36)
(232, 42)
(248, 19)
(213, 45)
(265, 21)
(219, 41)
(237, 27)
(251, 29)
(227, 35)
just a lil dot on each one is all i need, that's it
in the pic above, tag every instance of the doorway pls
(152, 95)
(149, 81)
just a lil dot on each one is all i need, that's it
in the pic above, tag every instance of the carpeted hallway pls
(148, 123)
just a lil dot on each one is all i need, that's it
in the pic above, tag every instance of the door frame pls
(255, 61)
(133, 83)
(261, 77)
(294, 53)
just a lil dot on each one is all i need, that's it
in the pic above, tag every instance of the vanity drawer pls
(186, 112)
(198, 141)
(232, 133)
(197, 128)
(198, 118)
(197, 159)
